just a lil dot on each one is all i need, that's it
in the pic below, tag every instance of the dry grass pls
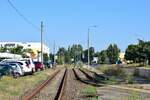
(12, 88)
(148, 66)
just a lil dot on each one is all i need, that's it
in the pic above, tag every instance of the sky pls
(66, 22)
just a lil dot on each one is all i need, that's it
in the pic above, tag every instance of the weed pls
(90, 92)
(134, 96)
(129, 79)
(10, 87)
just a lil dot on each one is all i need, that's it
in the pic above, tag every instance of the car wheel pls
(16, 75)
(33, 70)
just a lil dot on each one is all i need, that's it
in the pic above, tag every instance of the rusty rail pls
(36, 90)
(102, 76)
(62, 85)
(88, 76)
(84, 81)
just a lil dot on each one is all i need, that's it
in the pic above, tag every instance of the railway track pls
(62, 87)
(31, 95)
(101, 76)
(68, 88)
(94, 79)
(90, 80)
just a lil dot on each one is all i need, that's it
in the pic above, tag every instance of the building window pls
(29, 45)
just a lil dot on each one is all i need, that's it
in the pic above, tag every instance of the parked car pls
(48, 64)
(26, 69)
(17, 68)
(5, 69)
(30, 63)
(38, 66)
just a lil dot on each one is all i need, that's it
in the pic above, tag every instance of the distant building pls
(121, 57)
(95, 60)
(9, 56)
(34, 46)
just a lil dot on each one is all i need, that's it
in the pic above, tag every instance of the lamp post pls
(42, 43)
(88, 40)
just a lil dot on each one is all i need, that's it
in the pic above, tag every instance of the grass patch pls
(116, 75)
(13, 88)
(90, 92)
(134, 96)
(129, 79)
(112, 80)
(148, 66)
(133, 65)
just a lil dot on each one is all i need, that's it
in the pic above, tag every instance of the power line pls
(22, 16)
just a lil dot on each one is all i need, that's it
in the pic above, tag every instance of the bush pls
(136, 72)
(79, 64)
(114, 71)
(129, 79)
(117, 75)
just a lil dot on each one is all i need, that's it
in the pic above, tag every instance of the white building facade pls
(34, 46)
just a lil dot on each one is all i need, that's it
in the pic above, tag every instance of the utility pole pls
(88, 43)
(42, 42)
(54, 51)
(88, 40)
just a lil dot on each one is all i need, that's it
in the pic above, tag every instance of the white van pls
(30, 62)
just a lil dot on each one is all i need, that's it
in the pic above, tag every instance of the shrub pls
(79, 64)
(129, 79)
(136, 72)
(114, 71)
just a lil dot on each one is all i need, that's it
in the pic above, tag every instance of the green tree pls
(102, 57)
(17, 50)
(91, 54)
(132, 53)
(85, 53)
(61, 55)
(113, 53)
(3, 49)
(147, 50)
(76, 52)
(139, 53)
(51, 57)
(45, 57)
(68, 56)
(25, 51)
(142, 55)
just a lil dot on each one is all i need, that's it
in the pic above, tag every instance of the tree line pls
(135, 53)
(16, 50)
(76, 53)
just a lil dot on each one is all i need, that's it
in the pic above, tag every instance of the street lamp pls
(42, 43)
(88, 40)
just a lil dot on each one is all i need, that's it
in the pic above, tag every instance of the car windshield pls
(29, 61)
(14, 66)
(36, 62)
(1, 67)
(20, 63)
(26, 61)
(4, 67)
